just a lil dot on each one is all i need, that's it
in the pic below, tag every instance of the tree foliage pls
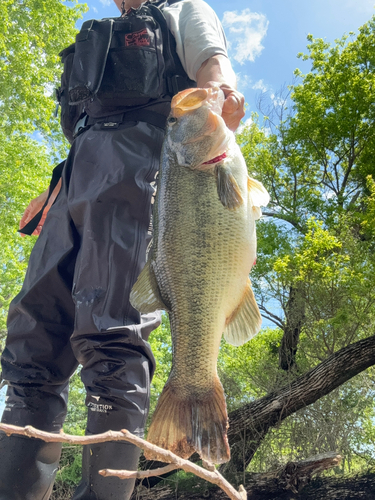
(32, 33)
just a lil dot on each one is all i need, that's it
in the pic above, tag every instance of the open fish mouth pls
(190, 99)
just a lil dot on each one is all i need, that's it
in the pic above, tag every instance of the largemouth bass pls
(198, 270)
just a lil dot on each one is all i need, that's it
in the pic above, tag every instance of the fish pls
(197, 271)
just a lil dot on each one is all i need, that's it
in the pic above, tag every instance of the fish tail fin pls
(184, 426)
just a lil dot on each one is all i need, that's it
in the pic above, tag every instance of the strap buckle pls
(80, 125)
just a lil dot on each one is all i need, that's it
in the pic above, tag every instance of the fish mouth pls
(212, 98)
(191, 99)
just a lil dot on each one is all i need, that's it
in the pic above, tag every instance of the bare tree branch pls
(138, 474)
(286, 482)
(272, 317)
(153, 451)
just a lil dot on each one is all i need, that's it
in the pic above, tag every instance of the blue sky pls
(265, 36)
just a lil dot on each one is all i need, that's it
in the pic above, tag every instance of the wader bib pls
(74, 308)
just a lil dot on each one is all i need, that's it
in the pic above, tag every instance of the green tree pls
(314, 276)
(32, 33)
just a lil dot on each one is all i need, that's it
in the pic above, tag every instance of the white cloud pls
(95, 10)
(243, 82)
(362, 6)
(49, 89)
(106, 3)
(278, 101)
(245, 32)
(260, 85)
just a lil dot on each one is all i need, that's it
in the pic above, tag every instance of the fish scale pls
(198, 291)
(203, 250)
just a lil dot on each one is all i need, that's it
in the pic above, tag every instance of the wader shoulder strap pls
(176, 77)
(32, 225)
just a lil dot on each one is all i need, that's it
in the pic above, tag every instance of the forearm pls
(216, 69)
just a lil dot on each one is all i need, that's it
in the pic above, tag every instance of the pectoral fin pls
(245, 321)
(145, 295)
(227, 188)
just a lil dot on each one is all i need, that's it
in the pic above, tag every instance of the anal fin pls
(245, 321)
(145, 295)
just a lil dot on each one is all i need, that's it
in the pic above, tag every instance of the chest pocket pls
(135, 69)
(119, 61)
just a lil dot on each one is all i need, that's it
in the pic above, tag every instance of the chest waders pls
(74, 309)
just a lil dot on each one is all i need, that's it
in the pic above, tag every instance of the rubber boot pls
(116, 375)
(28, 467)
(111, 455)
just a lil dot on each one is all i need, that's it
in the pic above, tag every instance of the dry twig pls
(212, 476)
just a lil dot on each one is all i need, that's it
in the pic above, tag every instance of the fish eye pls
(172, 119)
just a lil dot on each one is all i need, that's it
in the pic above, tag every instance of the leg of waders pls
(123, 404)
(38, 360)
(110, 338)
(106, 456)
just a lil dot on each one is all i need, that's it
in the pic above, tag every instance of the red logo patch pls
(138, 39)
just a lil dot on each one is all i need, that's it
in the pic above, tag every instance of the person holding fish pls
(74, 306)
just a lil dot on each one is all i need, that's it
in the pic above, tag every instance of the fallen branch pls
(138, 474)
(213, 477)
(293, 476)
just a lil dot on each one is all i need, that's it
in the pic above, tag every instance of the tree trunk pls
(294, 317)
(249, 425)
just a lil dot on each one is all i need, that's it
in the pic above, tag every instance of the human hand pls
(233, 108)
(217, 71)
